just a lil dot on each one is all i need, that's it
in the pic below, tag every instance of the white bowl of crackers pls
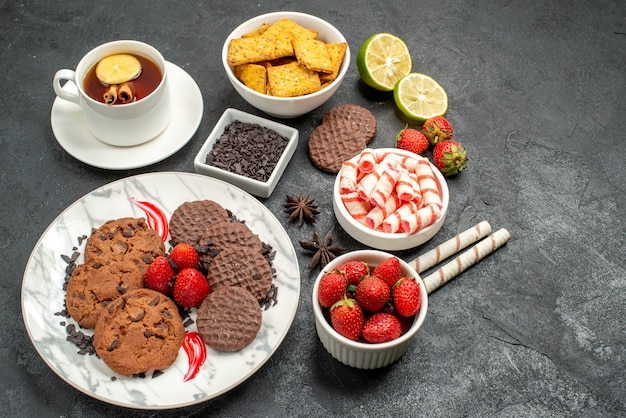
(286, 63)
(390, 199)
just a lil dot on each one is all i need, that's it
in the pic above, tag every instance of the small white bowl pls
(385, 240)
(253, 186)
(357, 354)
(287, 107)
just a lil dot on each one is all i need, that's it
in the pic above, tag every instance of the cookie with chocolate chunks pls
(130, 239)
(138, 332)
(91, 287)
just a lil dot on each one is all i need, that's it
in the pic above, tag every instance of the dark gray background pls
(537, 95)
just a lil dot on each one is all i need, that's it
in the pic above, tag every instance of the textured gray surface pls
(537, 95)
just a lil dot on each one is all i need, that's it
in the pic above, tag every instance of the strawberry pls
(372, 293)
(159, 276)
(389, 270)
(381, 327)
(437, 129)
(406, 297)
(450, 157)
(346, 317)
(354, 270)
(412, 140)
(184, 256)
(190, 288)
(331, 288)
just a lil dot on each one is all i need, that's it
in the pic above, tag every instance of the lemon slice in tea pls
(382, 60)
(118, 68)
(419, 97)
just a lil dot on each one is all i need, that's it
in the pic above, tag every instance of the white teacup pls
(120, 124)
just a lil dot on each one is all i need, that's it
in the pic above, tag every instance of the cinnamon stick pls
(110, 96)
(452, 246)
(126, 92)
(466, 260)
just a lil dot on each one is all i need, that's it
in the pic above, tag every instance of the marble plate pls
(43, 295)
(72, 133)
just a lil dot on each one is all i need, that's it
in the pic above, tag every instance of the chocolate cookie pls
(357, 116)
(92, 287)
(345, 131)
(138, 332)
(130, 239)
(191, 219)
(334, 142)
(229, 318)
(222, 235)
(241, 266)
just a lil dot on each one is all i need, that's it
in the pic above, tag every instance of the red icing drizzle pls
(194, 346)
(155, 216)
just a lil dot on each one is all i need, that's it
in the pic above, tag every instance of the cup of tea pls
(123, 92)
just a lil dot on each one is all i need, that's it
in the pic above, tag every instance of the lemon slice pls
(118, 68)
(419, 97)
(382, 60)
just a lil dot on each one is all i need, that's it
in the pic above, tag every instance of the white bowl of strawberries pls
(368, 306)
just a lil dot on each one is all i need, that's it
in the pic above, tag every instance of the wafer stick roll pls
(466, 260)
(452, 246)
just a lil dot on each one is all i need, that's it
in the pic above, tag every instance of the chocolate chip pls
(138, 316)
(155, 301)
(128, 232)
(119, 247)
(114, 344)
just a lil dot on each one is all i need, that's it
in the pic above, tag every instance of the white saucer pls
(72, 134)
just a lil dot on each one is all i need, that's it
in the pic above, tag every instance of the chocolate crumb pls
(81, 340)
(157, 373)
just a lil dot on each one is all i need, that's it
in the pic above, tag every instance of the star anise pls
(301, 208)
(324, 251)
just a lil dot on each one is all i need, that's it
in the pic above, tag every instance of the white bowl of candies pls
(368, 307)
(390, 199)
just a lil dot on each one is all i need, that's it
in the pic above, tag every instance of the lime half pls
(382, 60)
(419, 97)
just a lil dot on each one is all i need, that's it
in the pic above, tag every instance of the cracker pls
(253, 76)
(292, 80)
(313, 55)
(288, 26)
(336, 51)
(257, 32)
(249, 50)
(282, 45)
